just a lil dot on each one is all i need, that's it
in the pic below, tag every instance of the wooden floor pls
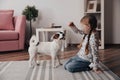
(110, 56)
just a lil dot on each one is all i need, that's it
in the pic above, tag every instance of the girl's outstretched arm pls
(74, 28)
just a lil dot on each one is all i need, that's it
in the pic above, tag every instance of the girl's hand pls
(71, 24)
(74, 28)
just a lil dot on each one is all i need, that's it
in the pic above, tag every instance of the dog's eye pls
(63, 34)
(33, 41)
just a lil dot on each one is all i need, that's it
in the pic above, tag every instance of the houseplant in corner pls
(31, 14)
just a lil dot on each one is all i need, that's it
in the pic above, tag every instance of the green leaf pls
(30, 12)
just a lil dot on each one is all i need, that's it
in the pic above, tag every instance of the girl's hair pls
(92, 21)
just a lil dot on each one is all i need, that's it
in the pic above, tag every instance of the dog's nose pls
(63, 38)
(37, 44)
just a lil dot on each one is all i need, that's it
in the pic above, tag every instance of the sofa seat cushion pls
(6, 35)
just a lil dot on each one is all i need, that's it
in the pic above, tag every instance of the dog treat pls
(74, 28)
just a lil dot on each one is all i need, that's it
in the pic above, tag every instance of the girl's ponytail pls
(86, 48)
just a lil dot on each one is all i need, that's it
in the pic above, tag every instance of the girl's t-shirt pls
(93, 50)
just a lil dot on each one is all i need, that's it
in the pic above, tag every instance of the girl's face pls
(85, 27)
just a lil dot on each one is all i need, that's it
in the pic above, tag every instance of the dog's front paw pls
(54, 66)
(38, 62)
(31, 66)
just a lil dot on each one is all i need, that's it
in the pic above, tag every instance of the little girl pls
(87, 57)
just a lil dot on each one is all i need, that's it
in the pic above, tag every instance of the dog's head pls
(58, 35)
(33, 41)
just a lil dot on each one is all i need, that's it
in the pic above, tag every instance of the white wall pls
(60, 12)
(112, 21)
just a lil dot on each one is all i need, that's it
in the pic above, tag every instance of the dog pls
(52, 48)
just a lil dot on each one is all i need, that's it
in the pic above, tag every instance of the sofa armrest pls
(20, 25)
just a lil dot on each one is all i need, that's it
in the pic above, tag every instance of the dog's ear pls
(55, 36)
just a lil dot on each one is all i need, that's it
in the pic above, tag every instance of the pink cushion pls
(6, 20)
(6, 35)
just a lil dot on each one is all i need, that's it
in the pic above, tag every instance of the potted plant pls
(31, 14)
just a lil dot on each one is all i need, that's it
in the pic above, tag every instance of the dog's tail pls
(33, 41)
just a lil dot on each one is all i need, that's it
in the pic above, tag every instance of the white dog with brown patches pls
(45, 48)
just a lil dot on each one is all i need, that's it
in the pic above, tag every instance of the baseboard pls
(72, 44)
(106, 45)
(112, 45)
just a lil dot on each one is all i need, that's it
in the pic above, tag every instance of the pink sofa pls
(13, 39)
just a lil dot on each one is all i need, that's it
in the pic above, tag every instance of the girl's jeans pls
(76, 64)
